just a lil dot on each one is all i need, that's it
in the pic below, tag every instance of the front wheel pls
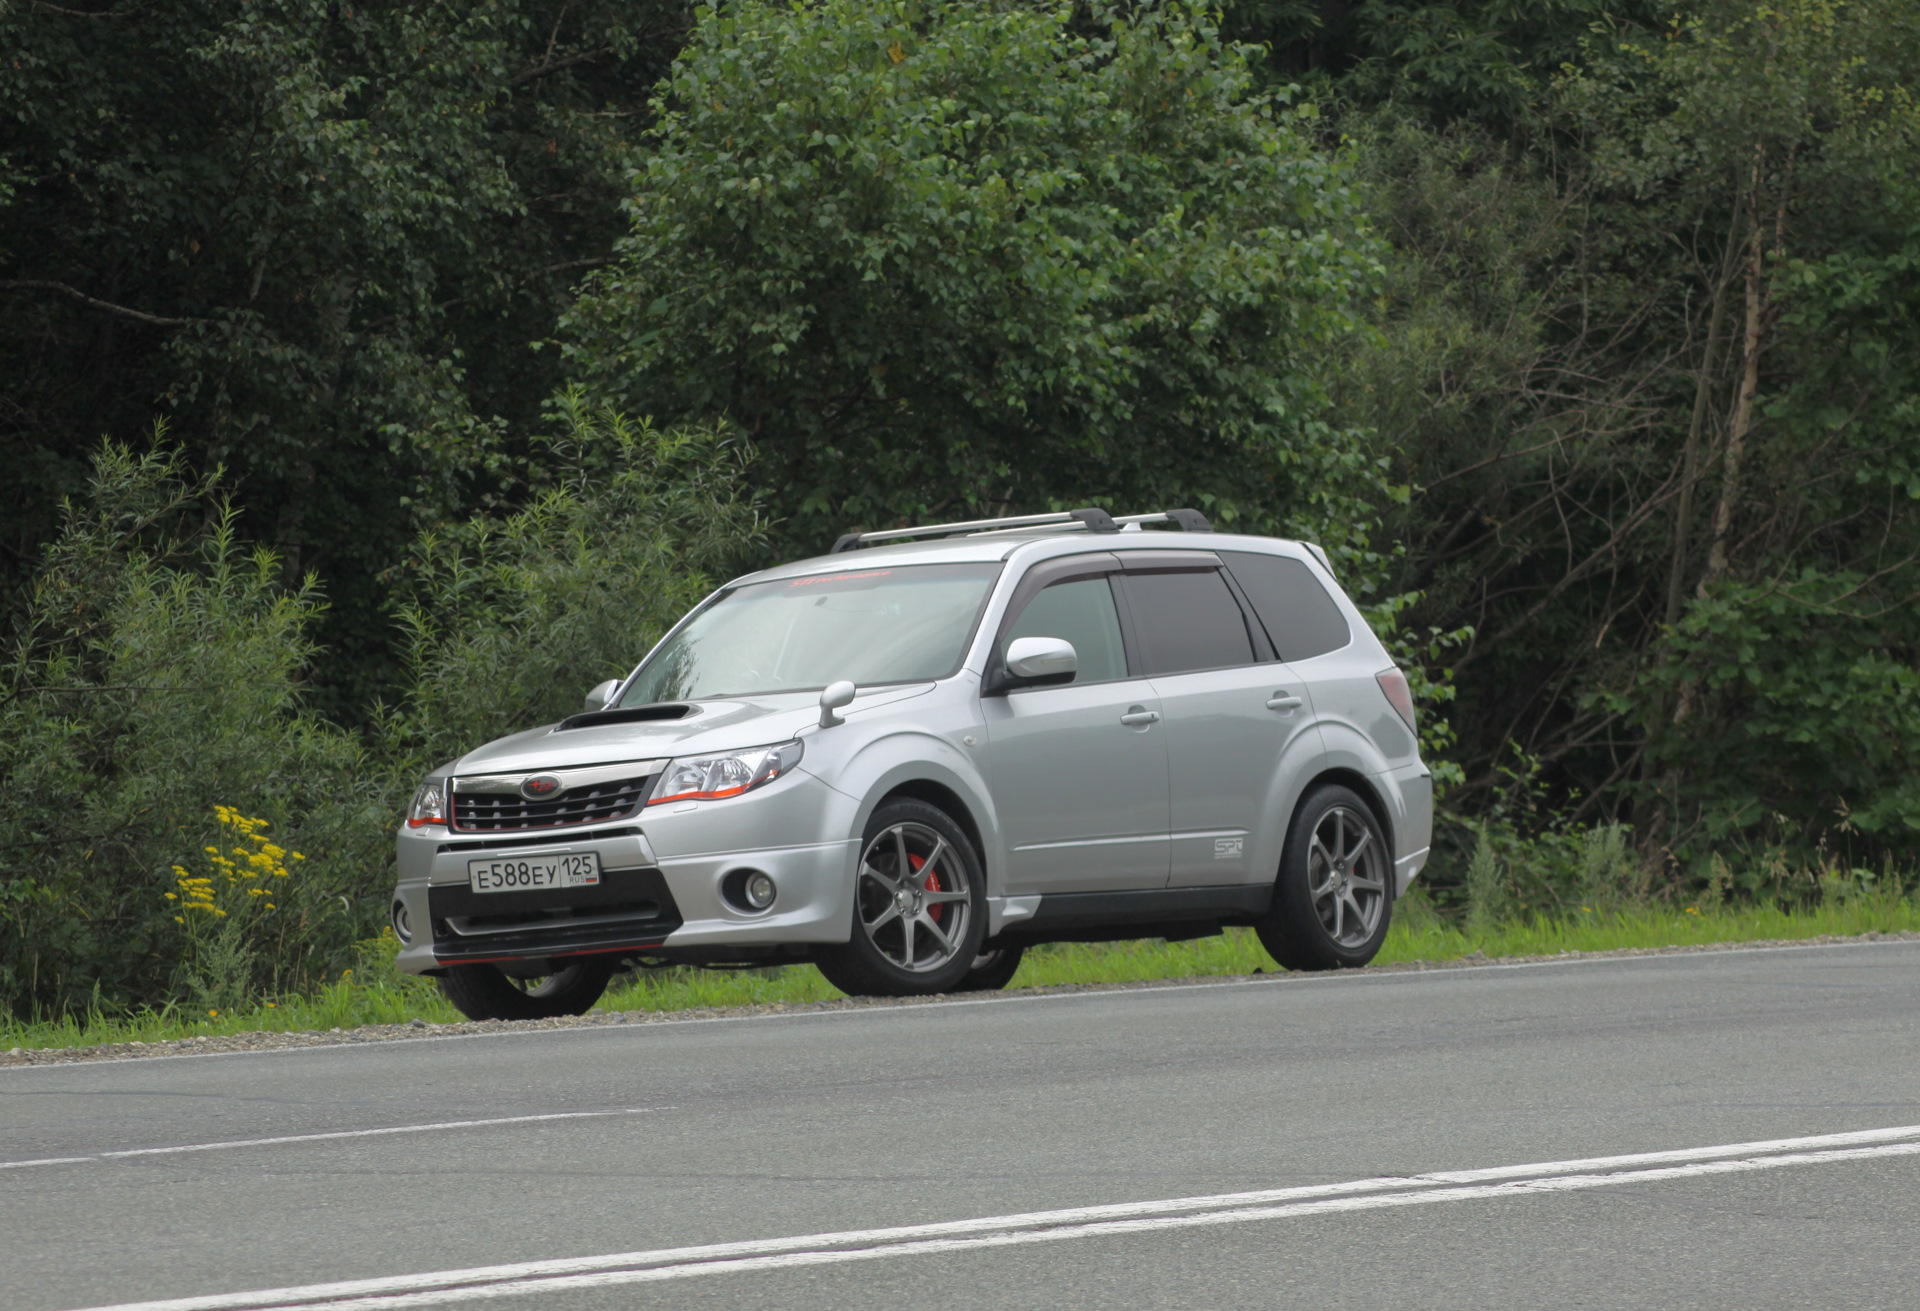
(483, 992)
(1333, 900)
(919, 907)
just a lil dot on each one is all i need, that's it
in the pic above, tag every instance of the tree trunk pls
(1696, 428)
(1742, 418)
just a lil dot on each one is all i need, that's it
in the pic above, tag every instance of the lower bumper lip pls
(538, 955)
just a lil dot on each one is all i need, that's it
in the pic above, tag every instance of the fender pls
(886, 764)
(1347, 751)
(1295, 773)
(866, 766)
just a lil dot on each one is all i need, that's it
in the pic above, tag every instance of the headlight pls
(708, 778)
(429, 804)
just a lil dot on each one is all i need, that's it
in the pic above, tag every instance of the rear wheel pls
(1333, 900)
(485, 992)
(992, 970)
(919, 909)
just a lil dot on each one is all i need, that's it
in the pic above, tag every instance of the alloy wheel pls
(1346, 877)
(914, 899)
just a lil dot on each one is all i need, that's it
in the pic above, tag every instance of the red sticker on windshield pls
(831, 578)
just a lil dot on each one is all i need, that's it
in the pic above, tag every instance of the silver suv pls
(910, 759)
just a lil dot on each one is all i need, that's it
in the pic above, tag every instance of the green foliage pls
(155, 678)
(952, 257)
(1655, 392)
(319, 238)
(179, 825)
(1486, 888)
(510, 620)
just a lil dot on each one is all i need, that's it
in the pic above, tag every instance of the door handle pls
(1140, 717)
(1283, 702)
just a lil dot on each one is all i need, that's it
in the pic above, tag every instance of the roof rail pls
(1089, 520)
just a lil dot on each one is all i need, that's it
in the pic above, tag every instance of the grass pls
(379, 996)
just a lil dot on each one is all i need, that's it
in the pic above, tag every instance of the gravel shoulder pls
(272, 1041)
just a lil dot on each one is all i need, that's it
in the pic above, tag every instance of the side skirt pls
(1175, 914)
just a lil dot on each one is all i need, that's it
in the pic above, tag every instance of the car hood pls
(718, 725)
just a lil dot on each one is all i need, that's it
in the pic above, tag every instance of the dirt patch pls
(253, 1042)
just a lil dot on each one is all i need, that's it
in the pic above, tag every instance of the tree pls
(953, 257)
(1650, 368)
(318, 238)
(1784, 684)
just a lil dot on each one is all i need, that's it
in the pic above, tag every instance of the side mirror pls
(598, 698)
(837, 695)
(1039, 661)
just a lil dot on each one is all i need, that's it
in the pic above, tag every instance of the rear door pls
(1232, 711)
(1078, 770)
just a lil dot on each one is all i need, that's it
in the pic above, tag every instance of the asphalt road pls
(1329, 1096)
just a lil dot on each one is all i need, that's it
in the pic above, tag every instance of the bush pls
(178, 825)
(154, 679)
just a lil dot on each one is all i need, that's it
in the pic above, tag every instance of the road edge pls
(418, 1030)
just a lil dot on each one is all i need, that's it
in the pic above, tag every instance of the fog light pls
(759, 890)
(402, 923)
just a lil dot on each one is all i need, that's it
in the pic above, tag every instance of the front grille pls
(497, 812)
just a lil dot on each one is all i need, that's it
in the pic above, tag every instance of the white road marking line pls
(321, 1137)
(394, 1292)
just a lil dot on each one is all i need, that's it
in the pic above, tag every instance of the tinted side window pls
(1081, 612)
(1188, 621)
(1300, 617)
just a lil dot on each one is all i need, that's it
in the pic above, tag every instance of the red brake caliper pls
(933, 884)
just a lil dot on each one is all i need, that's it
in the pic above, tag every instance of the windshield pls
(904, 624)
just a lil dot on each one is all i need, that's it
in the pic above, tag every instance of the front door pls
(1079, 770)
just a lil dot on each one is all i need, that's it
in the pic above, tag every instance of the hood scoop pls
(628, 715)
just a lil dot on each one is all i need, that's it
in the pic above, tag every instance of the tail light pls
(1399, 695)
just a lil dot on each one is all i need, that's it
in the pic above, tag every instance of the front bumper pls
(660, 884)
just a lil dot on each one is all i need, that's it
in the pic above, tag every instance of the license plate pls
(572, 869)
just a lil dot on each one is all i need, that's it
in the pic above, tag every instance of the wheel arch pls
(1361, 786)
(944, 798)
(928, 768)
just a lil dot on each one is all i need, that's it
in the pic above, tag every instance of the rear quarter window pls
(1300, 618)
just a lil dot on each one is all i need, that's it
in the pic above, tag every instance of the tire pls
(992, 970)
(482, 992)
(920, 935)
(1333, 900)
